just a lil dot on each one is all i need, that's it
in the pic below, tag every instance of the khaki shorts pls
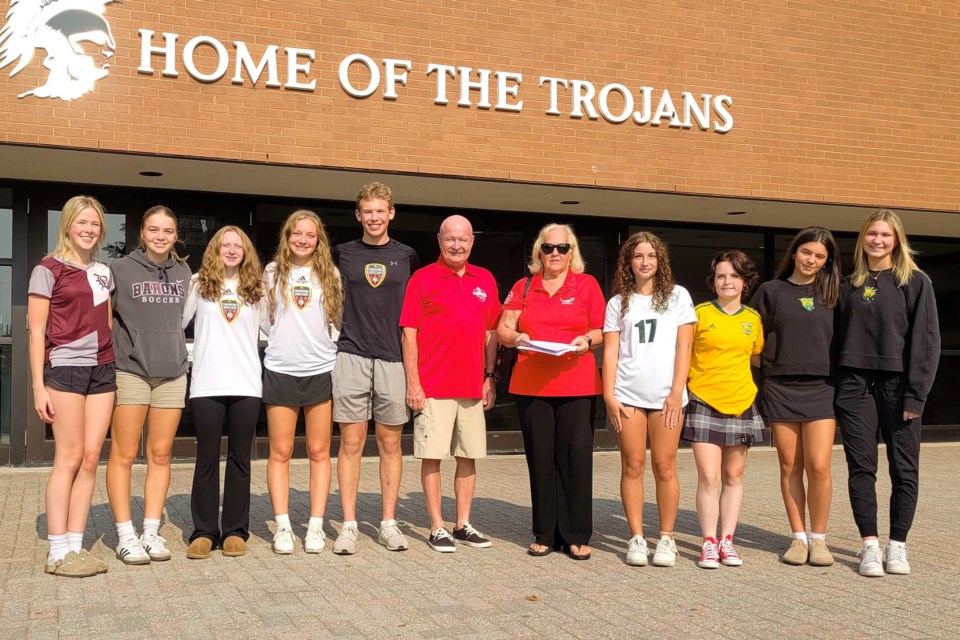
(162, 393)
(365, 388)
(450, 426)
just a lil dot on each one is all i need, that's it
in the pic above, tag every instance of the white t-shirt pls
(300, 343)
(225, 357)
(648, 347)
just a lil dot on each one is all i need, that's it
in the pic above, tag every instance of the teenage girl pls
(722, 421)
(648, 334)
(74, 380)
(151, 290)
(797, 309)
(224, 301)
(305, 306)
(889, 346)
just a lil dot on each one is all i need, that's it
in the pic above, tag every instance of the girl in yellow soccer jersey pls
(722, 421)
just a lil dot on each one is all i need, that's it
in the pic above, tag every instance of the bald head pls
(456, 241)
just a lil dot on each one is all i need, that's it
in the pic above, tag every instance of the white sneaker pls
(666, 553)
(895, 559)
(130, 551)
(871, 561)
(316, 540)
(283, 541)
(155, 546)
(637, 552)
(346, 542)
(390, 537)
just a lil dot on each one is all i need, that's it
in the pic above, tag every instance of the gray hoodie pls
(147, 306)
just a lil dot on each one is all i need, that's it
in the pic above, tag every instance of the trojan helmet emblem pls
(61, 28)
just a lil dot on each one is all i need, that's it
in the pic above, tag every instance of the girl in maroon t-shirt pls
(72, 368)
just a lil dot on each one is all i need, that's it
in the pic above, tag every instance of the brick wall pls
(841, 102)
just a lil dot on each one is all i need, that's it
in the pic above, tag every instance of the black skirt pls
(295, 391)
(796, 398)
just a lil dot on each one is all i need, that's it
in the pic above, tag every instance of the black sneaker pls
(471, 537)
(441, 540)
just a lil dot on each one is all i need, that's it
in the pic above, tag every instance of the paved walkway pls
(493, 593)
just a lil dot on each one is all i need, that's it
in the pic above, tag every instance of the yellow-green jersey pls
(720, 367)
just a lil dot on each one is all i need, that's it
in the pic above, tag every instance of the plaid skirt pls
(703, 423)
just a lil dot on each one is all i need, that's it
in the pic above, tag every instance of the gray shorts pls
(365, 388)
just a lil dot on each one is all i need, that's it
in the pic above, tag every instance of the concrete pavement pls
(486, 593)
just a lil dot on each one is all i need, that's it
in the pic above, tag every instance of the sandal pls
(577, 556)
(539, 553)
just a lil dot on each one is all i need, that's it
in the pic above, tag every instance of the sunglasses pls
(547, 249)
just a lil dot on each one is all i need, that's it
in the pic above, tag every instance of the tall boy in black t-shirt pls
(368, 379)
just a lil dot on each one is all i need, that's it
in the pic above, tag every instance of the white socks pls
(896, 544)
(283, 521)
(817, 536)
(74, 541)
(349, 523)
(125, 531)
(800, 535)
(384, 523)
(315, 523)
(151, 525)
(871, 543)
(58, 547)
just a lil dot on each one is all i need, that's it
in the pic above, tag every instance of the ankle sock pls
(897, 544)
(871, 543)
(315, 523)
(800, 535)
(74, 541)
(283, 521)
(384, 523)
(125, 531)
(818, 536)
(349, 523)
(151, 525)
(58, 547)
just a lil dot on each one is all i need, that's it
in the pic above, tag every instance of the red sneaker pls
(729, 555)
(709, 555)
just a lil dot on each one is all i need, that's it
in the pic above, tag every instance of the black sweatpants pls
(870, 407)
(241, 415)
(558, 440)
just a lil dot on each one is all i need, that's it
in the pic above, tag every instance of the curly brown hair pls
(624, 282)
(212, 273)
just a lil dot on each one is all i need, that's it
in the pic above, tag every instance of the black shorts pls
(86, 381)
(296, 391)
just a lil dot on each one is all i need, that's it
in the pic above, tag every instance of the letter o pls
(191, 67)
(372, 69)
(605, 109)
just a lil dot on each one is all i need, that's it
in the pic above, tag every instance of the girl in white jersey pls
(304, 306)
(224, 301)
(648, 333)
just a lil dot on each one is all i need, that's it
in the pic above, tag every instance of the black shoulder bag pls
(507, 356)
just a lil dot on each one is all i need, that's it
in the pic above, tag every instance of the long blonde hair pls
(73, 207)
(576, 260)
(903, 263)
(324, 271)
(212, 272)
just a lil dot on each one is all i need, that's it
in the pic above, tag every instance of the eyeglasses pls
(547, 249)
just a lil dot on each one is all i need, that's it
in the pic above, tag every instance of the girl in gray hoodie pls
(151, 356)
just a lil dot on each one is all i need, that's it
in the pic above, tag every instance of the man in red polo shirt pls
(449, 320)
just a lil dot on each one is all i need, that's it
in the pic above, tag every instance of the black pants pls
(558, 440)
(241, 414)
(870, 407)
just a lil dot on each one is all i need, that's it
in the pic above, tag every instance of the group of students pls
(107, 350)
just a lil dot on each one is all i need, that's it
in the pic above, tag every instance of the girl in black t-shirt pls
(796, 398)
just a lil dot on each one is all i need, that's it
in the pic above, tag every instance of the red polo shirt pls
(576, 308)
(452, 315)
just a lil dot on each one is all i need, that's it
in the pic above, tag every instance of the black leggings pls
(870, 407)
(558, 440)
(241, 414)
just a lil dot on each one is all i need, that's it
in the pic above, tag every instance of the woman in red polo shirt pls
(556, 395)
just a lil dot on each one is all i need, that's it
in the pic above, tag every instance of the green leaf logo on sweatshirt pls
(807, 303)
(869, 293)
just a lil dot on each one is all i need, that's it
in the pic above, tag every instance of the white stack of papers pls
(549, 348)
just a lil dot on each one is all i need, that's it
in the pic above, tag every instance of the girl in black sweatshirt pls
(888, 351)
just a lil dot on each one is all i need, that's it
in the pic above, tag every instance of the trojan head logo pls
(747, 327)
(807, 303)
(229, 308)
(61, 28)
(375, 273)
(869, 293)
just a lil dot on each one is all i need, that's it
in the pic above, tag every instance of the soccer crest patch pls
(229, 309)
(747, 327)
(869, 293)
(807, 303)
(301, 295)
(375, 274)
